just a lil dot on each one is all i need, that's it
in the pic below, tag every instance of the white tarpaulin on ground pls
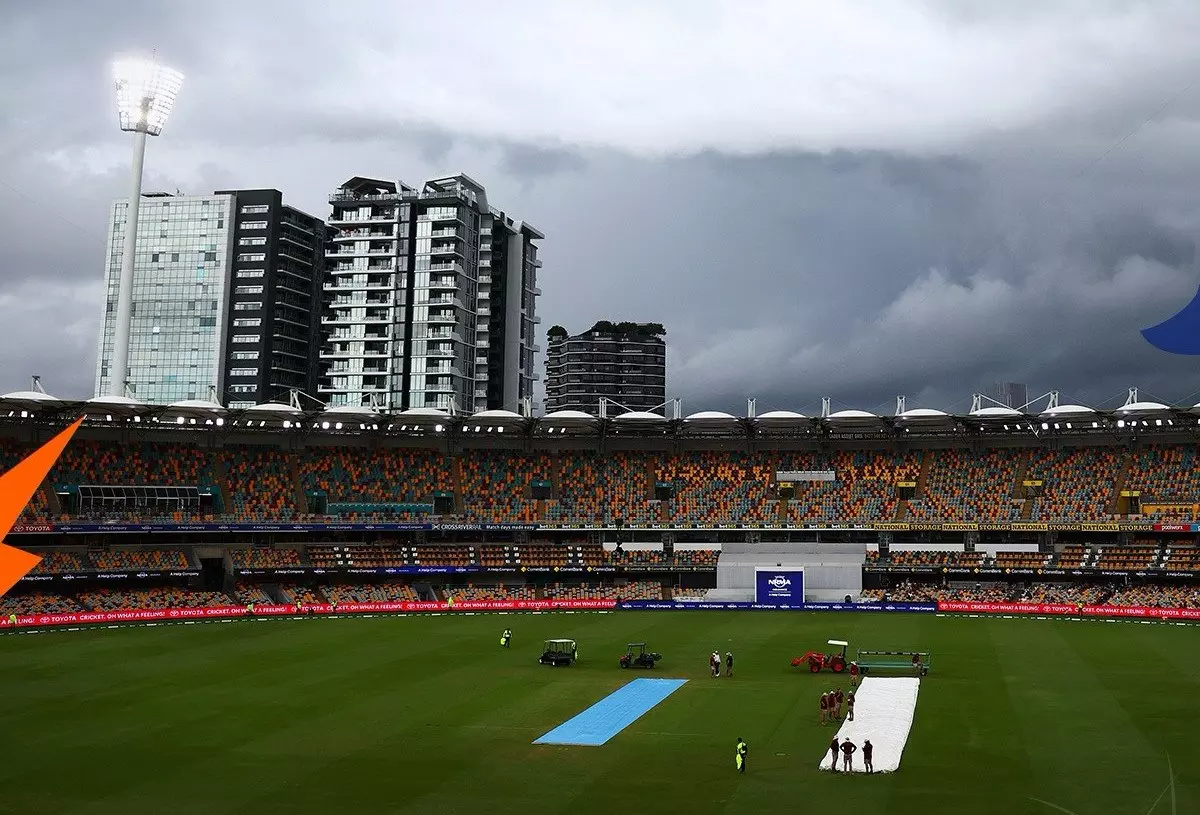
(883, 713)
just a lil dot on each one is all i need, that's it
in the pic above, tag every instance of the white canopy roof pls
(640, 416)
(1067, 410)
(497, 416)
(351, 412)
(569, 417)
(851, 416)
(1143, 407)
(926, 415)
(28, 397)
(274, 409)
(711, 416)
(996, 412)
(119, 405)
(781, 416)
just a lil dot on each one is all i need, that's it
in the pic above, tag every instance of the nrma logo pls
(779, 582)
(1179, 334)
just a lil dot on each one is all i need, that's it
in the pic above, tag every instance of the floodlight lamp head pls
(146, 93)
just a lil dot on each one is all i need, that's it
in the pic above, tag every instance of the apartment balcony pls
(331, 354)
(443, 317)
(344, 335)
(440, 218)
(485, 262)
(288, 253)
(444, 301)
(445, 249)
(369, 320)
(482, 343)
(484, 294)
(374, 302)
(481, 360)
(481, 393)
(287, 220)
(365, 234)
(351, 286)
(446, 267)
(443, 283)
(485, 279)
(483, 312)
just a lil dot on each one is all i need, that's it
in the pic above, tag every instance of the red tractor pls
(835, 662)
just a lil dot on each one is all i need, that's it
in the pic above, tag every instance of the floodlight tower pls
(145, 94)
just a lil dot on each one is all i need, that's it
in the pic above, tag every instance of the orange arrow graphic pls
(17, 486)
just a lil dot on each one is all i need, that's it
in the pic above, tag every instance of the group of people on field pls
(848, 748)
(832, 703)
(714, 663)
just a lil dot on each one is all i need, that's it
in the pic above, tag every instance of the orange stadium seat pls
(1077, 483)
(261, 558)
(969, 486)
(387, 476)
(157, 559)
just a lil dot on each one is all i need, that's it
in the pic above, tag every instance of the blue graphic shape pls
(1179, 334)
(612, 714)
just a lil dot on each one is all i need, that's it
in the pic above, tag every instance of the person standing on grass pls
(824, 709)
(740, 756)
(506, 638)
(867, 750)
(840, 699)
(729, 663)
(850, 706)
(853, 674)
(833, 753)
(848, 749)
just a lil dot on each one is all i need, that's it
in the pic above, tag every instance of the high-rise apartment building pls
(1010, 394)
(431, 298)
(273, 323)
(622, 362)
(226, 298)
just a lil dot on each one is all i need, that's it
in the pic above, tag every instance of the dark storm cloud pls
(531, 162)
(943, 195)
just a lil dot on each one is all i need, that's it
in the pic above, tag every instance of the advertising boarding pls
(779, 586)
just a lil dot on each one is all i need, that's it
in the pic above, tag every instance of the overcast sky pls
(855, 199)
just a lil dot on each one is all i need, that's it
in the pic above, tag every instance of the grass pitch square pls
(428, 714)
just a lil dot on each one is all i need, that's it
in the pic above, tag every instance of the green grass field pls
(429, 714)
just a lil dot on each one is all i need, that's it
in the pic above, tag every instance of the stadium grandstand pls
(196, 506)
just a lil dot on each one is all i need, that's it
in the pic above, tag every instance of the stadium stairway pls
(923, 476)
(53, 507)
(297, 484)
(1018, 485)
(457, 474)
(1027, 509)
(1119, 482)
(901, 511)
(221, 477)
